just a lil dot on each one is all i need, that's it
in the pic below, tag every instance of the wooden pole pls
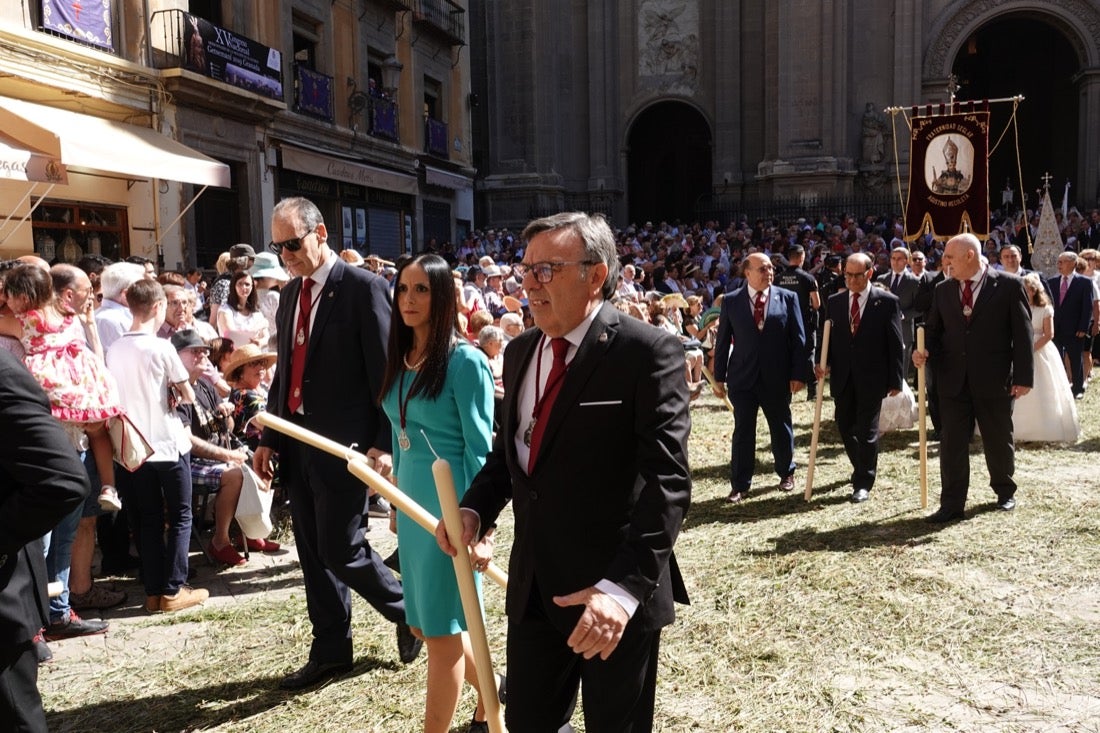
(817, 410)
(471, 605)
(359, 465)
(710, 378)
(922, 429)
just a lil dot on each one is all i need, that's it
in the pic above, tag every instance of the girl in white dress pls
(1047, 413)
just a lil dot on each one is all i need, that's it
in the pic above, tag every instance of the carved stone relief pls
(668, 45)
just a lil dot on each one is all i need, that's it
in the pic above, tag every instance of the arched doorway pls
(1024, 54)
(668, 163)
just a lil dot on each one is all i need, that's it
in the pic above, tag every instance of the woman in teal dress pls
(440, 386)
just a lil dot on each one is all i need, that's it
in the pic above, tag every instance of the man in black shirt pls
(805, 286)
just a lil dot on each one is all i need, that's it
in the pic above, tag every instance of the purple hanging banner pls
(87, 21)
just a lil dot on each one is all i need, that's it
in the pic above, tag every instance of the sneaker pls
(72, 626)
(186, 597)
(108, 499)
(378, 507)
(97, 597)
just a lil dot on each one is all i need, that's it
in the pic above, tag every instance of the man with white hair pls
(979, 343)
(113, 317)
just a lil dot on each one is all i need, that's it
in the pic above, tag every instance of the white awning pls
(17, 163)
(348, 171)
(437, 177)
(106, 146)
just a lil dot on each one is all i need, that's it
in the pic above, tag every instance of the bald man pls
(979, 346)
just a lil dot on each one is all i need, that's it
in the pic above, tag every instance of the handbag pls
(131, 449)
(254, 506)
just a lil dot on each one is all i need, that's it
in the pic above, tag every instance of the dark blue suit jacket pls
(873, 357)
(776, 355)
(344, 364)
(1074, 313)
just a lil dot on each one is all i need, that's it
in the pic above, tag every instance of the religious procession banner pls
(948, 176)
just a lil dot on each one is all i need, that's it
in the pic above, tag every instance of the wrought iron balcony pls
(443, 17)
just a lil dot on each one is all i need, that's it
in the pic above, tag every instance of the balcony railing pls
(435, 138)
(313, 93)
(444, 17)
(185, 41)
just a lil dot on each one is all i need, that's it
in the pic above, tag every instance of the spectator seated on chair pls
(216, 454)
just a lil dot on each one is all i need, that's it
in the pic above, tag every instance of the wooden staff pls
(710, 378)
(922, 430)
(359, 466)
(471, 606)
(817, 411)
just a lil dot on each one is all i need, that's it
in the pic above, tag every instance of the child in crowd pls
(83, 394)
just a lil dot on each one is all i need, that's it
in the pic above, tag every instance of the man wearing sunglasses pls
(333, 329)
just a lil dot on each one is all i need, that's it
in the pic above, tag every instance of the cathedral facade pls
(651, 109)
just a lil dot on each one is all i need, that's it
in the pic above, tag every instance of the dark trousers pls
(993, 415)
(544, 675)
(1073, 348)
(20, 704)
(776, 405)
(159, 494)
(857, 412)
(328, 506)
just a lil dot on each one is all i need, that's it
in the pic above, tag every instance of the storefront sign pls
(23, 165)
(347, 171)
(223, 55)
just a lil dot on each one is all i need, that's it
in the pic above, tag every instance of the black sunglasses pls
(291, 245)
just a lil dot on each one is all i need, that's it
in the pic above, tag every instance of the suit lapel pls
(325, 303)
(596, 341)
(514, 373)
(992, 281)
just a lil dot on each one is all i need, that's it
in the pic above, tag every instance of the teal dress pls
(459, 425)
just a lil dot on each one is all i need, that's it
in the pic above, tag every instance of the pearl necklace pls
(417, 365)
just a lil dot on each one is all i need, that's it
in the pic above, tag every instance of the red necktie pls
(758, 311)
(967, 300)
(543, 404)
(301, 345)
(855, 312)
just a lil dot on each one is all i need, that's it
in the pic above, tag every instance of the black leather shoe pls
(860, 495)
(408, 646)
(72, 626)
(1006, 505)
(943, 516)
(313, 673)
(787, 484)
(736, 497)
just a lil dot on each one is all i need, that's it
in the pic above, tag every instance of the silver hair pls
(116, 278)
(488, 334)
(300, 209)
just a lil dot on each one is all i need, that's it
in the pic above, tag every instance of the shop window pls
(307, 36)
(433, 96)
(66, 231)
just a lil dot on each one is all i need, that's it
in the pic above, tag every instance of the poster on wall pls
(87, 21)
(948, 176)
(349, 228)
(213, 51)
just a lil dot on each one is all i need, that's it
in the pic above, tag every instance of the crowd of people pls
(436, 354)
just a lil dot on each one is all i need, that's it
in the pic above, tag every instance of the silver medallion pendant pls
(403, 440)
(527, 433)
(967, 311)
(301, 337)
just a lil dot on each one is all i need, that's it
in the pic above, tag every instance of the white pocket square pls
(600, 404)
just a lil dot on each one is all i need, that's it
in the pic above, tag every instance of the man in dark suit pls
(761, 359)
(866, 363)
(978, 342)
(1073, 295)
(41, 481)
(588, 593)
(333, 328)
(905, 286)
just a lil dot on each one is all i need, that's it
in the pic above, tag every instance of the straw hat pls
(513, 305)
(245, 354)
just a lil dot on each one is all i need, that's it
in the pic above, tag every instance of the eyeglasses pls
(291, 245)
(544, 271)
(258, 364)
(855, 275)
